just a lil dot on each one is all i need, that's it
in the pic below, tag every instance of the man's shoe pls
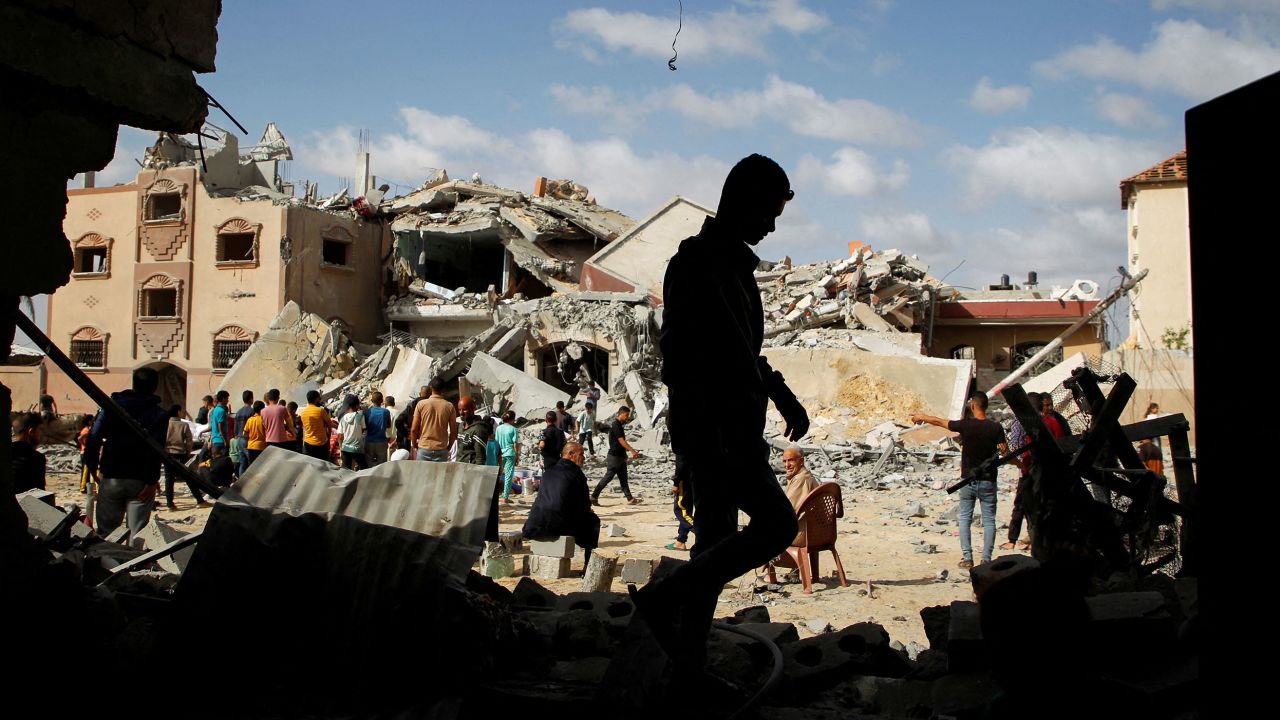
(633, 501)
(595, 501)
(204, 504)
(965, 564)
(172, 507)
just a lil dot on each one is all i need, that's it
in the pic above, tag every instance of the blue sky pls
(993, 134)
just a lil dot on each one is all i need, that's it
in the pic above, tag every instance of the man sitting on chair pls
(800, 483)
(563, 504)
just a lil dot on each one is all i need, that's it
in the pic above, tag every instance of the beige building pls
(1159, 242)
(182, 269)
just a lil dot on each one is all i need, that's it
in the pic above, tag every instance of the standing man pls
(711, 305)
(586, 427)
(178, 443)
(277, 422)
(316, 424)
(240, 451)
(219, 427)
(1017, 439)
(980, 439)
(28, 463)
(393, 439)
(435, 425)
(255, 433)
(202, 415)
(616, 460)
(404, 420)
(377, 421)
(564, 420)
(552, 441)
(130, 471)
(590, 393)
(353, 430)
(509, 445)
(475, 434)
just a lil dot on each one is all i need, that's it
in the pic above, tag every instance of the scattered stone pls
(637, 570)
(548, 568)
(818, 626)
(615, 530)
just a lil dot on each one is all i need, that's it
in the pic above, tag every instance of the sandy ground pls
(874, 545)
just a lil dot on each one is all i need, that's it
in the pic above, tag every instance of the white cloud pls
(852, 172)
(1053, 165)
(801, 108)
(911, 232)
(618, 175)
(988, 98)
(885, 63)
(1260, 6)
(1127, 110)
(722, 33)
(1183, 57)
(1061, 245)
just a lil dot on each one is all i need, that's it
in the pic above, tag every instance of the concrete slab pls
(506, 387)
(411, 371)
(272, 360)
(815, 375)
(44, 517)
(1053, 377)
(559, 547)
(157, 534)
(641, 255)
(639, 404)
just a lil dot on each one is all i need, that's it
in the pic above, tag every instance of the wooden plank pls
(1185, 481)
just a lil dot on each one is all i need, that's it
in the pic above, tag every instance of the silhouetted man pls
(130, 469)
(713, 325)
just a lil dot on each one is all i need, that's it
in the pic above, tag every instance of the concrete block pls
(119, 535)
(779, 633)
(966, 650)
(557, 547)
(614, 609)
(869, 319)
(43, 516)
(986, 575)
(893, 697)
(637, 570)
(155, 535)
(528, 593)
(1132, 620)
(499, 566)
(548, 568)
(44, 496)
(615, 530)
(962, 695)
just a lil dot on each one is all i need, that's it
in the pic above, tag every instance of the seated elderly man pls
(800, 483)
(563, 504)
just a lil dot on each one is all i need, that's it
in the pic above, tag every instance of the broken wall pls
(1166, 377)
(639, 258)
(817, 376)
(26, 382)
(352, 292)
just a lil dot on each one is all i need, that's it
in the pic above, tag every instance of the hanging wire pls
(672, 62)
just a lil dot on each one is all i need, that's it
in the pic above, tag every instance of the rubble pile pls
(880, 291)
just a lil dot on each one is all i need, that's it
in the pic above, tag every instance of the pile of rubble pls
(881, 291)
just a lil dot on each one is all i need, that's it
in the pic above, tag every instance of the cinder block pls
(499, 566)
(528, 593)
(557, 547)
(548, 568)
(966, 650)
(43, 496)
(987, 574)
(636, 570)
(823, 661)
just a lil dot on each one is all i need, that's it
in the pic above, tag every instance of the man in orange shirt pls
(315, 427)
(434, 427)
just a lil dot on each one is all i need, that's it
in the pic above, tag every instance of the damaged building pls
(183, 268)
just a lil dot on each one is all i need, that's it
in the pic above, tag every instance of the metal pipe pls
(109, 406)
(1056, 343)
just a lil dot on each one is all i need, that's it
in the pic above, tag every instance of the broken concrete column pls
(869, 319)
(635, 390)
(157, 534)
(43, 516)
(598, 576)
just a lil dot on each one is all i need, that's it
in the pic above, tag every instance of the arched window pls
(229, 344)
(163, 201)
(1023, 352)
(160, 298)
(92, 256)
(237, 243)
(89, 348)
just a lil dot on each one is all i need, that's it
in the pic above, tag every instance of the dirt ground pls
(875, 544)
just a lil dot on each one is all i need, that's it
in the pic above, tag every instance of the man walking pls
(980, 439)
(586, 427)
(509, 447)
(616, 460)
(712, 317)
(434, 425)
(130, 470)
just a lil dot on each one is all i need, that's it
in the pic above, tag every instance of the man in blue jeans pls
(980, 438)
